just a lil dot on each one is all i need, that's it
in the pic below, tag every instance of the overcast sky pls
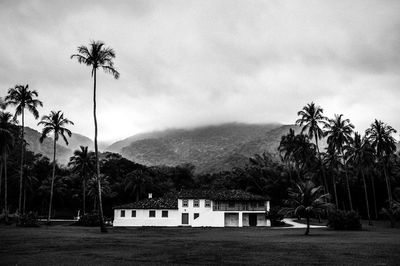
(190, 63)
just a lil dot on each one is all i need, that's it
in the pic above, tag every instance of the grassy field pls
(63, 244)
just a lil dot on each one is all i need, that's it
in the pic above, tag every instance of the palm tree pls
(384, 144)
(306, 200)
(339, 133)
(6, 143)
(136, 182)
(55, 122)
(97, 56)
(23, 98)
(361, 155)
(311, 119)
(83, 162)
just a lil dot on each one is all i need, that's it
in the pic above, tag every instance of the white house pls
(196, 208)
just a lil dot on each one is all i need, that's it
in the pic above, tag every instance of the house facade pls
(196, 208)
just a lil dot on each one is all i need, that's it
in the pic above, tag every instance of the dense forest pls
(360, 173)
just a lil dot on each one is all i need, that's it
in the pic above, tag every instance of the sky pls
(192, 63)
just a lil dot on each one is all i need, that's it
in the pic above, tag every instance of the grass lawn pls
(63, 244)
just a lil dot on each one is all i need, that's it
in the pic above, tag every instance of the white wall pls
(207, 217)
(142, 218)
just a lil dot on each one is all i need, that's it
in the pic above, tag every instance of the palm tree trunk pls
(308, 225)
(334, 190)
(348, 189)
(1, 175)
(84, 196)
(322, 167)
(102, 227)
(5, 190)
(366, 196)
(22, 162)
(52, 179)
(23, 206)
(374, 196)
(388, 186)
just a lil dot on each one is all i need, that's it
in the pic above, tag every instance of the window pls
(208, 203)
(152, 213)
(185, 203)
(196, 203)
(164, 214)
(196, 215)
(122, 213)
(231, 204)
(133, 214)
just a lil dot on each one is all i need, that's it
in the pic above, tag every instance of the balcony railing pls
(239, 208)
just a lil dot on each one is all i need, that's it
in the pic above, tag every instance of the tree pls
(380, 136)
(55, 122)
(339, 133)
(311, 119)
(83, 163)
(97, 56)
(23, 98)
(361, 155)
(306, 200)
(6, 143)
(136, 183)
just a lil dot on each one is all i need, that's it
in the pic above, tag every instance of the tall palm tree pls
(384, 144)
(54, 122)
(6, 143)
(306, 200)
(339, 133)
(360, 154)
(97, 56)
(311, 120)
(23, 98)
(83, 162)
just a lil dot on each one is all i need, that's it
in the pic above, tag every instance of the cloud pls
(189, 63)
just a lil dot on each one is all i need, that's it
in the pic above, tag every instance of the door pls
(185, 218)
(252, 219)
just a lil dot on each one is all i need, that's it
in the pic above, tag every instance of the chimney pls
(150, 195)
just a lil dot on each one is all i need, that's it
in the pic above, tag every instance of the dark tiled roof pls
(170, 201)
(155, 203)
(219, 195)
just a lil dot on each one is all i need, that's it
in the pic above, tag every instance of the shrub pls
(392, 213)
(29, 219)
(344, 220)
(89, 219)
(275, 217)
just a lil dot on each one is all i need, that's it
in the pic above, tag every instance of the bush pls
(275, 217)
(89, 219)
(29, 220)
(344, 220)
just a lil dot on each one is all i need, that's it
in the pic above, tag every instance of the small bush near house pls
(344, 220)
(89, 219)
(275, 217)
(29, 219)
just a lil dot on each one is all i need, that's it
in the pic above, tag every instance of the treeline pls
(359, 171)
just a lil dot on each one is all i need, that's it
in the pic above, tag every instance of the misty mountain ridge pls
(64, 152)
(209, 148)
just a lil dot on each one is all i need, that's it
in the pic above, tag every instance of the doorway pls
(185, 218)
(252, 219)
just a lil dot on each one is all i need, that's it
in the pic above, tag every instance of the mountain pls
(64, 152)
(210, 148)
